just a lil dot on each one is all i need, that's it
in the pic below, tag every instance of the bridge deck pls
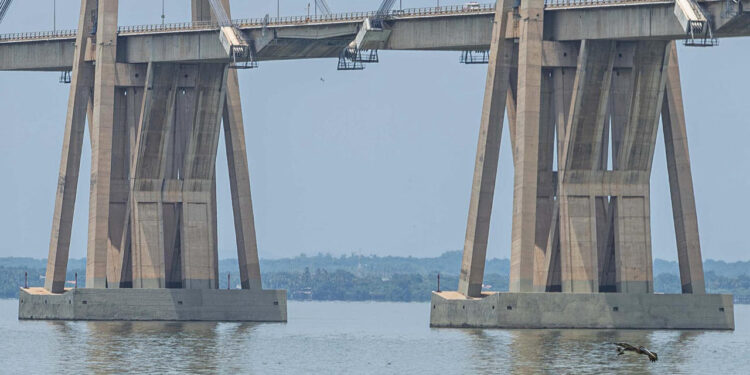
(453, 28)
(332, 19)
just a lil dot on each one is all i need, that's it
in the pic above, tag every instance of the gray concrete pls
(585, 227)
(239, 177)
(583, 310)
(455, 31)
(488, 152)
(526, 154)
(681, 182)
(159, 97)
(153, 220)
(81, 92)
(154, 304)
(101, 129)
(582, 152)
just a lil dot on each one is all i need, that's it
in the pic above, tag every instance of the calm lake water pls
(355, 338)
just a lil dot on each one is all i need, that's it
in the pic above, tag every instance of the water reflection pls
(150, 347)
(577, 351)
(360, 338)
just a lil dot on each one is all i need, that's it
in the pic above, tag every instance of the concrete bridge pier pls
(152, 250)
(581, 238)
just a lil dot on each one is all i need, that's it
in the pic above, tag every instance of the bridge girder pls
(456, 32)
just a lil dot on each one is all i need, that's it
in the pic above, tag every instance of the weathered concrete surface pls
(154, 304)
(99, 242)
(581, 152)
(681, 182)
(526, 149)
(81, 90)
(456, 32)
(152, 223)
(488, 152)
(583, 310)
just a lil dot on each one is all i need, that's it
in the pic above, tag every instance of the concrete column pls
(488, 152)
(523, 235)
(620, 101)
(589, 108)
(239, 177)
(552, 260)
(128, 103)
(619, 108)
(199, 253)
(606, 244)
(239, 183)
(173, 212)
(70, 161)
(171, 218)
(563, 80)
(578, 245)
(201, 10)
(546, 180)
(648, 82)
(581, 154)
(681, 182)
(149, 168)
(633, 245)
(101, 147)
(512, 98)
(635, 153)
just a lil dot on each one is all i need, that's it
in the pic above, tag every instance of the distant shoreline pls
(324, 277)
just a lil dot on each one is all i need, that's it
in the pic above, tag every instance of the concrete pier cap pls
(583, 311)
(211, 305)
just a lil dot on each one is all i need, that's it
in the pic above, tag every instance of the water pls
(359, 338)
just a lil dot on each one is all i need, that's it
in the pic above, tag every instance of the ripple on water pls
(355, 337)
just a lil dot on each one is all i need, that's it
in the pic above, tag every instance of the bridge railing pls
(355, 16)
(168, 27)
(312, 19)
(39, 35)
(254, 22)
(551, 4)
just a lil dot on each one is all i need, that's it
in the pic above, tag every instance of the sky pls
(378, 161)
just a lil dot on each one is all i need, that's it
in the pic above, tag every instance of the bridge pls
(583, 83)
(452, 28)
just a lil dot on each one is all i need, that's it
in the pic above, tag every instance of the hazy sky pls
(378, 161)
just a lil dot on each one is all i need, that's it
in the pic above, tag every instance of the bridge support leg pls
(563, 80)
(199, 253)
(239, 183)
(488, 151)
(149, 163)
(546, 181)
(239, 177)
(70, 162)
(681, 182)
(101, 147)
(525, 192)
(635, 155)
(128, 103)
(581, 158)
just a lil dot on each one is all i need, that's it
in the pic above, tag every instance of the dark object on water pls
(625, 347)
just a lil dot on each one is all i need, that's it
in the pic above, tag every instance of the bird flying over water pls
(625, 347)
